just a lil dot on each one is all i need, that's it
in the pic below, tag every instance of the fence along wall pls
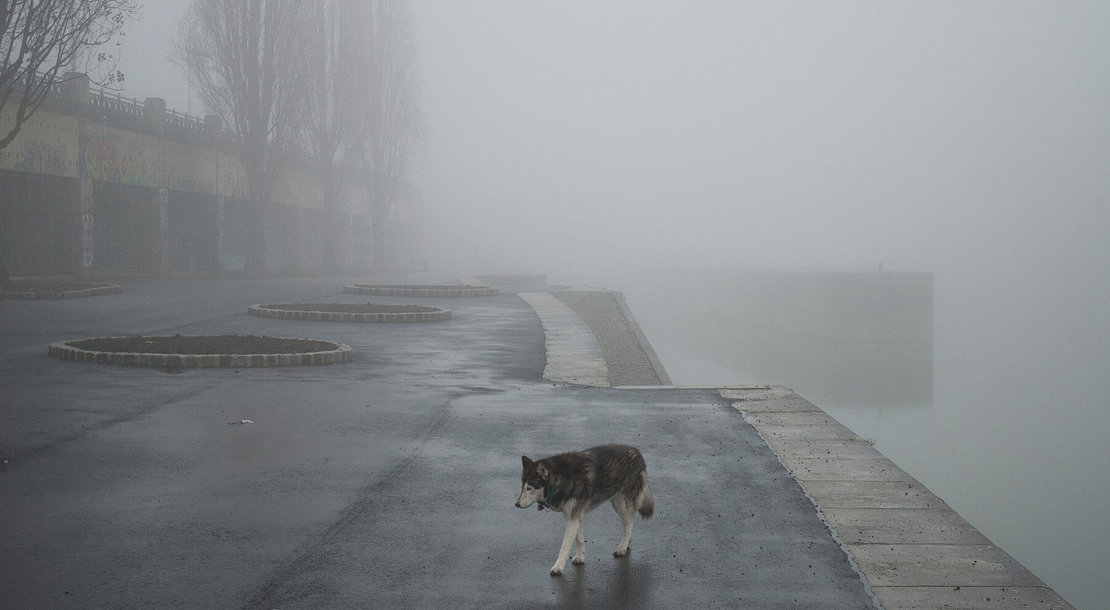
(95, 182)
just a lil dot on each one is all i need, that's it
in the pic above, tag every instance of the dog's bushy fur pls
(575, 483)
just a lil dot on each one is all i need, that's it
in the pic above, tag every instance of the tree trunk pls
(333, 238)
(4, 278)
(256, 227)
(379, 212)
(377, 236)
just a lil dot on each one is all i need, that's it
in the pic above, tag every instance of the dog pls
(576, 483)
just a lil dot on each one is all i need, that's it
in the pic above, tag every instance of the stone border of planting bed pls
(300, 311)
(339, 353)
(432, 290)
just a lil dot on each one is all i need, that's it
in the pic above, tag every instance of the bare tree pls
(41, 38)
(389, 93)
(333, 122)
(247, 60)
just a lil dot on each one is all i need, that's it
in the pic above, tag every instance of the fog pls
(815, 135)
(627, 144)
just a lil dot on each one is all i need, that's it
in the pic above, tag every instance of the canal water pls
(1001, 407)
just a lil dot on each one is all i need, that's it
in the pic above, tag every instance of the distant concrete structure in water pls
(841, 338)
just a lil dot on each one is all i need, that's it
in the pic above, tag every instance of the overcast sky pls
(771, 134)
(774, 134)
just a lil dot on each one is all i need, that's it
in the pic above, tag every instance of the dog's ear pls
(541, 470)
(526, 461)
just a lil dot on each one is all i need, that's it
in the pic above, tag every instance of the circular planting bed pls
(422, 290)
(350, 312)
(50, 289)
(202, 351)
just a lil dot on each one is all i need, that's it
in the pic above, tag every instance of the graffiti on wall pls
(109, 156)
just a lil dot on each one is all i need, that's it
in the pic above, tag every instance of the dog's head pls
(533, 482)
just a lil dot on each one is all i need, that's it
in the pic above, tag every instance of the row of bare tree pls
(335, 77)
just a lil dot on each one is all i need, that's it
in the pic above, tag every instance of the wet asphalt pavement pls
(388, 481)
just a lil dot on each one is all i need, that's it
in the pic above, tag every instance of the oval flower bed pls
(350, 312)
(422, 290)
(202, 351)
(53, 289)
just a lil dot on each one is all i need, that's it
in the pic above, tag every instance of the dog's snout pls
(518, 504)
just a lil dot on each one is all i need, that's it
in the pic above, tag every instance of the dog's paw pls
(619, 552)
(556, 570)
(578, 560)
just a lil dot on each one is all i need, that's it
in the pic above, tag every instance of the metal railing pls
(184, 125)
(114, 108)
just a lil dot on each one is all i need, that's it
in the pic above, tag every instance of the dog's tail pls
(645, 503)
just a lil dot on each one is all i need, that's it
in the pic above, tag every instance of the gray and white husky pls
(576, 483)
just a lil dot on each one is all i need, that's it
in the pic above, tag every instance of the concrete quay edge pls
(911, 549)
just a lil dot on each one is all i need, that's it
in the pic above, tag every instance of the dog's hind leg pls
(626, 510)
(574, 526)
(580, 540)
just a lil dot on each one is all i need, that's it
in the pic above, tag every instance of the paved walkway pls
(912, 549)
(384, 482)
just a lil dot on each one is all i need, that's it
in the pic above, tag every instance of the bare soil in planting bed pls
(350, 307)
(199, 344)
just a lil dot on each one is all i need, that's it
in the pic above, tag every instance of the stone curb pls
(409, 291)
(95, 291)
(62, 349)
(263, 311)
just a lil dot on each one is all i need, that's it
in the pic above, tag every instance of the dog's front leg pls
(573, 527)
(580, 540)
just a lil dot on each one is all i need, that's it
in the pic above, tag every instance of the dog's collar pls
(550, 496)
